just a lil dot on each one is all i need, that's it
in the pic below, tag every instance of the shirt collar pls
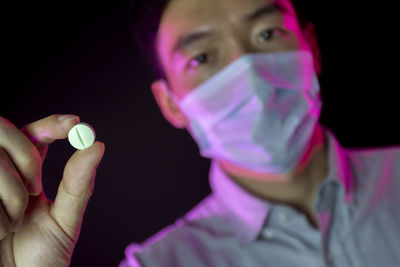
(247, 213)
(339, 171)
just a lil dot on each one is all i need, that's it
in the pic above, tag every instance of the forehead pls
(183, 16)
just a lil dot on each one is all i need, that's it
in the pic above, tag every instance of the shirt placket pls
(330, 208)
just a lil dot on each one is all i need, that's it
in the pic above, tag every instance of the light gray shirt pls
(358, 208)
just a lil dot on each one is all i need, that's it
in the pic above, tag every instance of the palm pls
(40, 241)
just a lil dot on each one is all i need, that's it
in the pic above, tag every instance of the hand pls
(35, 231)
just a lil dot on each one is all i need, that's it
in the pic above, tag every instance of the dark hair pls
(146, 16)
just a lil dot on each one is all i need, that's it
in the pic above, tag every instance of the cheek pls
(175, 70)
(176, 67)
(181, 85)
(183, 80)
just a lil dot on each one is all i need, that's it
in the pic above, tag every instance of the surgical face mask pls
(258, 113)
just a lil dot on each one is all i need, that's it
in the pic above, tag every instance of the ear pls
(169, 109)
(311, 36)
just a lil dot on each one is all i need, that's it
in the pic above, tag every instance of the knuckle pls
(5, 226)
(19, 200)
(5, 124)
(31, 159)
(6, 167)
(12, 135)
(4, 232)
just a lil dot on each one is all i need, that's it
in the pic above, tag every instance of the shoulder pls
(376, 161)
(376, 174)
(375, 151)
(184, 242)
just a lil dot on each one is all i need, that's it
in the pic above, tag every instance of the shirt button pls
(268, 233)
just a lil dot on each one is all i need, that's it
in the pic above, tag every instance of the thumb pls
(75, 189)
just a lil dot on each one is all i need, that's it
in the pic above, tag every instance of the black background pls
(77, 57)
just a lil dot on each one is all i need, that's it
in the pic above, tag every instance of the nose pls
(238, 48)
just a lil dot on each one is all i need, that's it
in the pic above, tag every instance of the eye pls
(268, 35)
(198, 60)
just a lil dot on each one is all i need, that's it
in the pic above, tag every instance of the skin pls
(226, 30)
(34, 230)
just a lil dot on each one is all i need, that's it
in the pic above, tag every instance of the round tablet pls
(81, 136)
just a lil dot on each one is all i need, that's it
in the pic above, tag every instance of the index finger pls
(45, 131)
(22, 153)
(27, 148)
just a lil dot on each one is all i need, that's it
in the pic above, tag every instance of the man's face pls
(197, 39)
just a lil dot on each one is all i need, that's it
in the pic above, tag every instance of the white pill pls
(81, 136)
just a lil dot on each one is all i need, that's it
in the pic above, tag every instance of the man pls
(301, 200)
(241, 77)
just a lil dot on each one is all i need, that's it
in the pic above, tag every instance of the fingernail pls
(17, 225)
(68, 117)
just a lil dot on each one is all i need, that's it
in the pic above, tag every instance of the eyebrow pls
(264, 11)
(190, 38)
